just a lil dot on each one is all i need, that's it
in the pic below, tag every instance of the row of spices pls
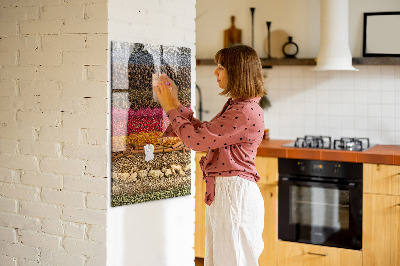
(139, 76)
(122, 114)
(130, 151)
(121, 143)
(144, 53)
(137, 100)
(138, 125)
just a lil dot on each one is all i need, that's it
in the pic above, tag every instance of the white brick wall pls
(61, 258)
(75, 230)
(53, 227)
(53, 111)
(8, 234)
(53, 120)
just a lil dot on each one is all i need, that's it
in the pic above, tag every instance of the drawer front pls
(296, 254)
(381, 179)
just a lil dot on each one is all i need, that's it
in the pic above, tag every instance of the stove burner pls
(322, 142)
(351, 144)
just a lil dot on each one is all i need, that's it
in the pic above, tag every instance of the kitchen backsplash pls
(338, 104)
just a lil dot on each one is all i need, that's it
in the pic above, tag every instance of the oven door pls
(320, 212)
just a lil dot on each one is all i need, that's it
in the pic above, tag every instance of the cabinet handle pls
(398, 204)
(318, 254)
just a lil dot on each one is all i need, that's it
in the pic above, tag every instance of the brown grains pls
(165, 171)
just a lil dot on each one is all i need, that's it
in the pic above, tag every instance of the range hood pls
(334, 51)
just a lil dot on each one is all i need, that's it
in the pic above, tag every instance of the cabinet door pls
(267, 168)
(381, 230)
(270, 233)
(297, 254)
(200, 207)
(381, 179)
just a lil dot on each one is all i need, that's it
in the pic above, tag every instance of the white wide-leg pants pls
(234, 223)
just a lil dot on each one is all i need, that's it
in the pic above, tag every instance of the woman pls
(235, 207)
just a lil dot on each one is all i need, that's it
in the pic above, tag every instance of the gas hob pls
(325, 142)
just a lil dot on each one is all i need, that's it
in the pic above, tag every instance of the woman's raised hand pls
(164, 95)
(174, 89)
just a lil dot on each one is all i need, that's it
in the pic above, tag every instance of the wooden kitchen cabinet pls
(267, 168)
(381, 230)
(200, 207)
(270, 233)
(381, 179)
(298, 254)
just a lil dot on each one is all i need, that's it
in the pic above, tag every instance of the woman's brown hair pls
(245, 78)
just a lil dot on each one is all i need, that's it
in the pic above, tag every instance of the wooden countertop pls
(379, 154)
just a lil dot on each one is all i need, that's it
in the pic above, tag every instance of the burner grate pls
(320, 142)
(324, 142)
(351, 144)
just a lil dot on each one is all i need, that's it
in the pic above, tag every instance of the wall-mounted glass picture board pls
(146, 166)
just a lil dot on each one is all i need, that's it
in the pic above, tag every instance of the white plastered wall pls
(157, 232)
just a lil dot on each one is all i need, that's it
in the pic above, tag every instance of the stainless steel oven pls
(320, 202)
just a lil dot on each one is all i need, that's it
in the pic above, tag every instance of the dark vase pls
(290, 49)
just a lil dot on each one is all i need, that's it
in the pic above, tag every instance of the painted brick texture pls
(53, 121)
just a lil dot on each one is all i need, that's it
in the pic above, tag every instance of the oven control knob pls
(302, 167)
(336, 169)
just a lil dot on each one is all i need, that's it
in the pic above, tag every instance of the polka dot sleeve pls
(223, 131)
(186, 113)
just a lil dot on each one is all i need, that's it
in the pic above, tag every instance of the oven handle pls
(297, 181)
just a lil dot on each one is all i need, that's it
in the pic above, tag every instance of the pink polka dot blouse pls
(231, 139)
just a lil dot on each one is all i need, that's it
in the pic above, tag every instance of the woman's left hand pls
(163, 91)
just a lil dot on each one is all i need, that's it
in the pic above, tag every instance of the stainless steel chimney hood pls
(334, 51)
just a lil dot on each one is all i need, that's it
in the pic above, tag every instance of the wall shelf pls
(376, 61)
(312, 61)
